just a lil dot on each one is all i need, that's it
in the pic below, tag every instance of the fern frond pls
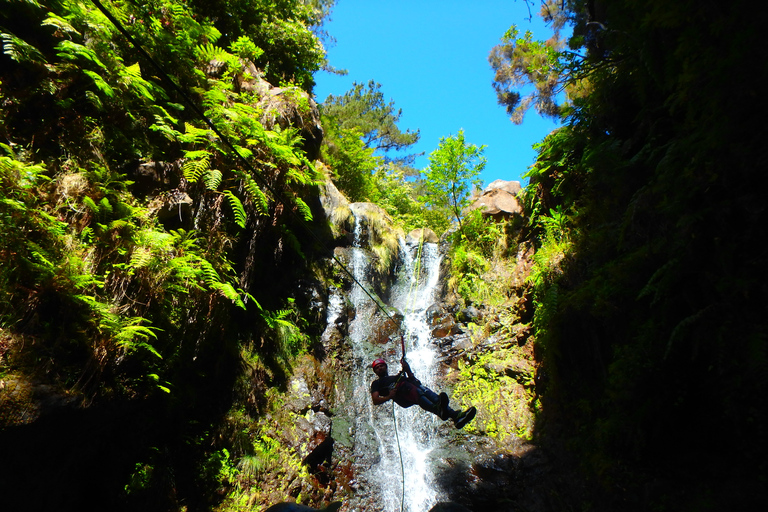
(133, 336)
(101, 85)
(132, 76)
(61, 25)
(157, 240)
(228, 291)
(259, 199)
(194, 135)
(21, 51)
(208, 52)
(14, 204)
(293, 242)
(69, 50)
(212, 179)
(210, 275)
(198, 163)
(140, 257)
(91, 205)
(105, 208)
(117, 225)
(164, 115)
(243, 152)
(237, 208)
(184, 240)
(303, 208)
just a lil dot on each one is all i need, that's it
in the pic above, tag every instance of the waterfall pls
(376, 431)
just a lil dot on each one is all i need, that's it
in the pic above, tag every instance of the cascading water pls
(392, 450)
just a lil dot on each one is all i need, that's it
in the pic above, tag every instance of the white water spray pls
(393, 476)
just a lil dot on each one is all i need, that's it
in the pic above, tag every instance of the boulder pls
(499, 200)
(419, 234)
(511, 187)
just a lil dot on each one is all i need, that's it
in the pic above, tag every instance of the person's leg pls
(436, 404)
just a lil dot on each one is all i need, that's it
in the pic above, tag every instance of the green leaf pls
(257, 196)
(21, 51)
(303, 207)
(212, 179)
(237, 208)
(103, 86)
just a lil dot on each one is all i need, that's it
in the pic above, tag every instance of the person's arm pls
(379, 399)
(407, 370)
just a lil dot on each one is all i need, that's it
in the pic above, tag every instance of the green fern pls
(21, 51)
(194, 135)
(259, 199)
(105, 208)
(101, 85)
(69, 50)
(303, 208)
(91, 205)
(132, 336)
(61, 25)
(210, 275)
(212, 179)
(140, 257)
(208, 52)
(131, 75)
(237, 208)
(197, 163)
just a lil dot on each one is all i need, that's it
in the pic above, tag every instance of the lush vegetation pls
(155, 256)
(649, 286)
(146, 222)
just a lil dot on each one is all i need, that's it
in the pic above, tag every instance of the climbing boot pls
(465, 417)
(444, 415)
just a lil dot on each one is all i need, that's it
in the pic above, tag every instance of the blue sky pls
(431, 58)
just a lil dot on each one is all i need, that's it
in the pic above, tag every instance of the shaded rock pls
(446, 327)
(317, 428)
(311, 298)
(435, 313)
(150, 178)
(295, 507)
(469, 314)
(449, 506)
(24, 402)
(174, 209)
(459, 342)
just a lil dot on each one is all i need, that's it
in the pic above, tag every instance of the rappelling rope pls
(400, 453)
(411, 295)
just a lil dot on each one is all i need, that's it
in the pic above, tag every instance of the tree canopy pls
(363, 107)
(453, 172)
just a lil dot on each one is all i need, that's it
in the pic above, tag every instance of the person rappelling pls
(406, 390)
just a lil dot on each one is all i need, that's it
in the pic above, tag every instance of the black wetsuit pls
(410, 392)
(407, 393)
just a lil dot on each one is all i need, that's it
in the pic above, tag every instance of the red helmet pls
(377, 362)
